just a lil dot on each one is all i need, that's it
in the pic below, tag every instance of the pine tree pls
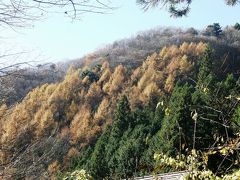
(237, 26)
(130, 151)
(202, 97)
(122, 119)
(98, 162)
(173, 9)
(177, 8)
(177, 123)
(214, 30)
(205, 75)
(217, 29)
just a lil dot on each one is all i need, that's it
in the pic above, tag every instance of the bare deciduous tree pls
(18, 77)
(20, 13)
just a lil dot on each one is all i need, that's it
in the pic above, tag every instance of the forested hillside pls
(132, 51)
(129, 52)
(112, 121)
(160, 102)
(16, 83)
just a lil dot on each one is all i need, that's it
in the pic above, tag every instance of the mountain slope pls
(73, 113)
(129, 52)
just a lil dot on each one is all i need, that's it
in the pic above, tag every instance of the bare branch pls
(22, 13)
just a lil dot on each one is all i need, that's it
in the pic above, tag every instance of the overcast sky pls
(59, 38)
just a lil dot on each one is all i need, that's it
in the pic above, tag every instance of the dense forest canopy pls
(111, 119)
(165, 100)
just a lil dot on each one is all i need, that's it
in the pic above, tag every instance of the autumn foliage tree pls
(95, 107)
